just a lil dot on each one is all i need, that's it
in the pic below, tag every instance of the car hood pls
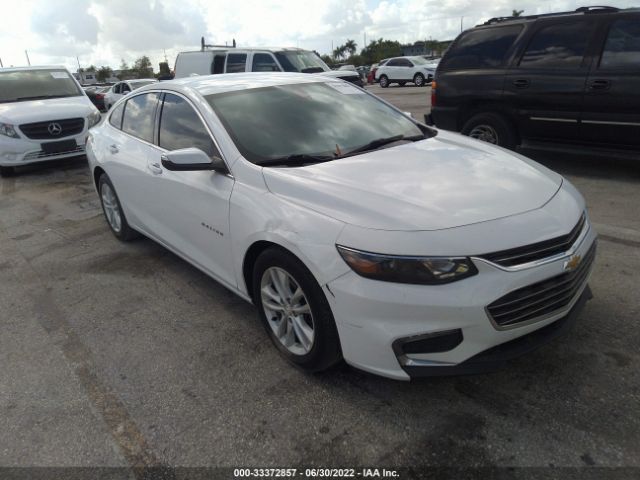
(443, 182)
(17, 113)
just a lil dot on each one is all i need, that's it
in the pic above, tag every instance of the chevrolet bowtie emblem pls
(572, 263)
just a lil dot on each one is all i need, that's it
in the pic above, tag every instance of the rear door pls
(611, 115)
(546, 85)
(391, 69)
(405, 69)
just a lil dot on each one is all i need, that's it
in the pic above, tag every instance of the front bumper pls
(23, 151)
(372, 317)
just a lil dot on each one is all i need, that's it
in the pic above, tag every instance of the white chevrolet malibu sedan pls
(358, 233)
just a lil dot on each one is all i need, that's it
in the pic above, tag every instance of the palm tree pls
(351, 47)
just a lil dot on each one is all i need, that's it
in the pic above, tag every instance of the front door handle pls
(600, 85)
(521, 83)
(113, 148)
(155, 168)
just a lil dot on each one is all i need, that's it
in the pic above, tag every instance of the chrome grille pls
(536, 251)
(40, 130)
(541, 298)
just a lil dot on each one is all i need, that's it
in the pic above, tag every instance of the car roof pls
(38, 67)
(231, 49)
(212, 84)
(134, 80)
(578, 12)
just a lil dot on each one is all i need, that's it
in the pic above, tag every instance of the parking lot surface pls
(122, 354)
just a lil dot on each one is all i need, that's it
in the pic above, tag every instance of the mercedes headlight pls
(408, 269)
(94, 118)
(8, 130)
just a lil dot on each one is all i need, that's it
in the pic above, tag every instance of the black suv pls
(564, 80)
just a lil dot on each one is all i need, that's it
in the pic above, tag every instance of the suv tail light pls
(433, 93)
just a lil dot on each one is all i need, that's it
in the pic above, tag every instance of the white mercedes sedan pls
(358, 233)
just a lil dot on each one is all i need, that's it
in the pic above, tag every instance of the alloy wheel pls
(111, 209)
(486, 133)
(287, 310)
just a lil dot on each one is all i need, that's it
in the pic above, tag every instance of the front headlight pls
(408, 269)
(8, 130)
(94, 118)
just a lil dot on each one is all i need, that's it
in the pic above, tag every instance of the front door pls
(611, 115)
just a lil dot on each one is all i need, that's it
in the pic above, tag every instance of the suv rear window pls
(482, 48)
(622, 49)
(558, 46)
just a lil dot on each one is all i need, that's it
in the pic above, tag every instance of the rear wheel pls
(418, 79)
(384, 81)
(295, 311)
(113, 211)
(7, 171)
(491, 128)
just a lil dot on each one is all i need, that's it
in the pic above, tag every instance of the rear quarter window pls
(481, 48)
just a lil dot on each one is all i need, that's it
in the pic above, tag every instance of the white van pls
(234, 60)
(44, 115)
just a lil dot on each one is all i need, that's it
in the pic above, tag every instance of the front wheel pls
(491, 128)
(113, 210)
(384, 81)
(418, 79)
(295, 311)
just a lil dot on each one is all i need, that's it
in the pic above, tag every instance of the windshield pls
(22, 85)
(310, 119)
(301, 61)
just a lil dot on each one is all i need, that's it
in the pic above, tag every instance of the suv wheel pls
(6, 171)
(491, 128)
(418, 79)
(384, 81)
(113, 212)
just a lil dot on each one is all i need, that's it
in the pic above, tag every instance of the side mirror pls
(192, 160)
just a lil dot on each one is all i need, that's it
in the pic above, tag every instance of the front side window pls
(24, 85)
(558, 46)
(139, 116)
(301, 61)
(236, 62)
(318, 119)
(622, 48)
(181, 127)
(482, 48)
(264, 62)
(115, 118)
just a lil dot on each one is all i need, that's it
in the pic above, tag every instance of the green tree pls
(351, 47)
(123, 65)
(328, 59)
(142, 67)
(339, 52)
(91, 68)
(104, 73)
(517, 13)
(379, 49)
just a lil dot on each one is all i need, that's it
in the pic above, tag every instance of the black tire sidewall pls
(507, 137)
(384, 81)
(416, 77)
(325, 351)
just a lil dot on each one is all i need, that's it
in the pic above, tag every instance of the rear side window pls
(139, 116)
(115, 118)
(236, 62)
(181, 127)
(558, 46)
(622, 48)
(394, 62)
(263, 62)
(482, 48)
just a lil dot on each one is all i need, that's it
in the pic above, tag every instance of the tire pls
(112, 208)
(384, 81)
(7, 171)
(276, 271)
(493, 128)
(418, 80)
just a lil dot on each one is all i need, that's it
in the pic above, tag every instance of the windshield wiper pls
(381, 142)
(40, 97)
(295, 159)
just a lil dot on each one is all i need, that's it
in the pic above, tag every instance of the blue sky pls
(104, 32)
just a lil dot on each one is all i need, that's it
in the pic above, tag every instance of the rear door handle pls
(521, 83)
(600, 85)
(155, 168)
(114, 148)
